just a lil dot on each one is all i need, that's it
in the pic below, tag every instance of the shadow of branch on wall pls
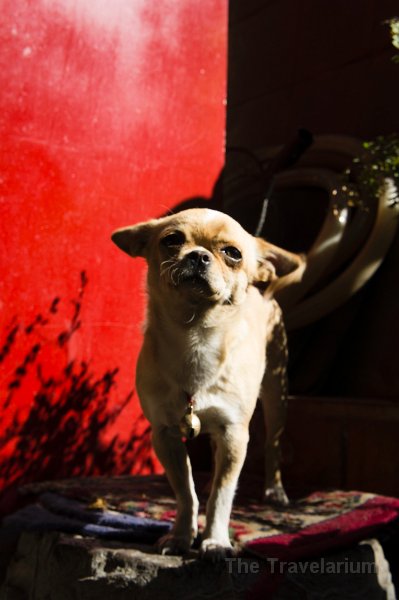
(59, 430)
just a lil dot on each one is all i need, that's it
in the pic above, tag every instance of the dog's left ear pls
(275, 263)
(134, 239)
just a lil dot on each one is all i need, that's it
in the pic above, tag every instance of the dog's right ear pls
(134, 239)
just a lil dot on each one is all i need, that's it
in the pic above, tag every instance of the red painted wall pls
(110, 112)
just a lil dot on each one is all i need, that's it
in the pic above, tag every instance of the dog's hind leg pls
(172, 453)
(274, 402)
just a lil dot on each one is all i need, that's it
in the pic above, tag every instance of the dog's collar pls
(190, 401)
(190, 425)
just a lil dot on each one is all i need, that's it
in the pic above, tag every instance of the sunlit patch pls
(343, 216)
(210, 215)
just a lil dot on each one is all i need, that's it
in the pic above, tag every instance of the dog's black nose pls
(199, 258)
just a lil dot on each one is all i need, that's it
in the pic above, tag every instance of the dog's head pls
(204, 256)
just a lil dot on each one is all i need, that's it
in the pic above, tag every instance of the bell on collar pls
(190, 425)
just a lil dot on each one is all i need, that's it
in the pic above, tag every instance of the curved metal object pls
(325, 246)
(346, 253)
(359, 271)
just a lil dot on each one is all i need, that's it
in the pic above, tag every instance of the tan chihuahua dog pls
(214, 342)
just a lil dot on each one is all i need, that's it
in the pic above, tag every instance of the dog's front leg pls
(172, 453)
(231, 447)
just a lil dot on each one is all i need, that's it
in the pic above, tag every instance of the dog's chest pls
(200, 362)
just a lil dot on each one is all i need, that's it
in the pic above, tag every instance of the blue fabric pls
(57, 513)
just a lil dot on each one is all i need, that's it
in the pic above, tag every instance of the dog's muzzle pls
(195, 266)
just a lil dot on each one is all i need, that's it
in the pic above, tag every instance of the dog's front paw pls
(174, 544)
(276, 495)
(214, 551)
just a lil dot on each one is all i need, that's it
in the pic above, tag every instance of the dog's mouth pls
(195, 279)
(195, 284)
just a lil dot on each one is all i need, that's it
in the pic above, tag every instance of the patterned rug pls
(309, 526)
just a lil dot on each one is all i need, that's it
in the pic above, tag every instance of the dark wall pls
(317, 64)
(326, 66)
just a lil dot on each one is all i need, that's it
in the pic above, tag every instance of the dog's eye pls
(232, 252)
(173, 239)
